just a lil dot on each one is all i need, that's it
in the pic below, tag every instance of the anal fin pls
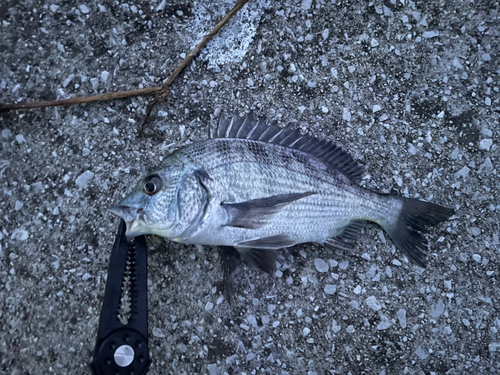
(347, 240)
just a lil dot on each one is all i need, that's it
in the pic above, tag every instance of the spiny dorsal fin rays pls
(248, 127)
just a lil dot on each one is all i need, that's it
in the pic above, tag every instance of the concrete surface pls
(409, 88)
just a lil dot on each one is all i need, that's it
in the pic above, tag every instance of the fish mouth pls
(133, 218)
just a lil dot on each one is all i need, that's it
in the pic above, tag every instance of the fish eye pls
(152, 185)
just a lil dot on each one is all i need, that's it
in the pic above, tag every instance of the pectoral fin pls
(255, 213)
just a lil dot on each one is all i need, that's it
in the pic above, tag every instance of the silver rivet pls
(124, 355)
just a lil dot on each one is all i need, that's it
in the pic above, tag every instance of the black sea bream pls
(259, 187)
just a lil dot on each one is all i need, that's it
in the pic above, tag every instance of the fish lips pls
(132, 216)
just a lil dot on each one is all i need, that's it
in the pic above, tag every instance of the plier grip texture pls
(122, 337)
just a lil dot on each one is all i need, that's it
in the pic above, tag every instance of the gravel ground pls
(411, 90)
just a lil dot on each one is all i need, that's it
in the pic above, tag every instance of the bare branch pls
(80, 99)
(161, 92)
(165, 90)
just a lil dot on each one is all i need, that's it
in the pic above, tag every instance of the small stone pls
(476, 257)
(306, 4)
(344, 265)
(401, 314)
(373, 304)
(158, 333)
(475, 231)
(350, 329)
(162, 5)
(251, 319)
(20, 235)
(381, 234)
(104, 76)
(346, 115)
(84, 9)
(437, 309)
(462, 172)
(212, 369)
(430, 34)
(209, 306)
(466, 322)
(421, 353)
(335, 326)
(95, 83)
(19, 205)
(321, 265)
(306, 331)
(487, 132)
(371, 272)
(374, 42)
(384, 323)
(324, 109)
(20, 138)
(388, 271)
(86, 276)
(83, 180)
(357, 290)
(411, 149)
(6, 133)
(457, 64)
(486, 167)
(68, 80)
(54, 8)
(330, 289)
(250, 356)
(485, 144)
(354, 304)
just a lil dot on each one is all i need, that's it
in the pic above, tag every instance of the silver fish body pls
(257, 186)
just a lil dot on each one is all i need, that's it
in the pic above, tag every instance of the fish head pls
(151, 208)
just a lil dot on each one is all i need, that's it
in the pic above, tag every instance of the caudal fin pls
(409, 231)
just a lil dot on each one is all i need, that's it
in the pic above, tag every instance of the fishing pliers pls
(122, 338)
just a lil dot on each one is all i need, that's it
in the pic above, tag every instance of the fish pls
(257, 187)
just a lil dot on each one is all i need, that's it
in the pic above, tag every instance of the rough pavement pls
(410, 89)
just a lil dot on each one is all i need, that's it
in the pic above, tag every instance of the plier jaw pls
(122, 338)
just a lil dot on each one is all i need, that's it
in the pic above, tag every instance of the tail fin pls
(408, 232)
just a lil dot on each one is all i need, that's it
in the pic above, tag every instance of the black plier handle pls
(122, 338)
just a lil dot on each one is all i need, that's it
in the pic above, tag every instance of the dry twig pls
(80, 99)
(160, 91)
(165, 90)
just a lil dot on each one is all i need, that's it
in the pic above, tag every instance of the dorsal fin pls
(248, 127)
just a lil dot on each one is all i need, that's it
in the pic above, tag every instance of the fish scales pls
(275, 170)
(260, 187)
